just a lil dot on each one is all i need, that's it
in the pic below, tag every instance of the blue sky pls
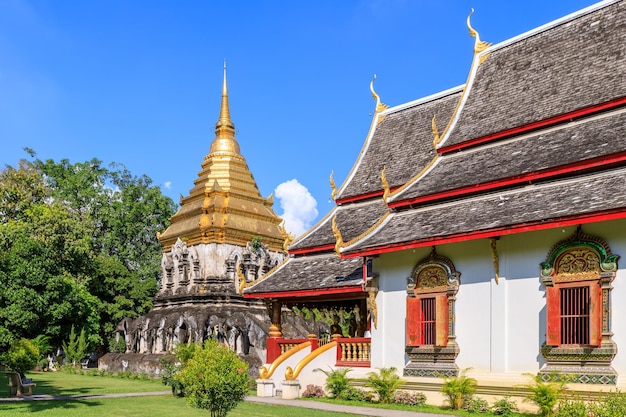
(139, 82)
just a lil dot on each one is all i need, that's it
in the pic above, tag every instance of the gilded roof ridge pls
(429, 167)
(482, 50)
(379, 115)
(244, 285)
(371, 231)
(315, 227)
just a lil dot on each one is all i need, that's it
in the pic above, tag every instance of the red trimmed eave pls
(585, 111)
(363, 197)
(483, 234)
(313, 250)
(601, 161)
(314, 292)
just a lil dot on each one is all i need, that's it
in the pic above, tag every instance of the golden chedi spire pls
(224, 128)
(225, 205)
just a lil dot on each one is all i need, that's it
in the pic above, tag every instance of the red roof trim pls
(535, 125)
(482, 234)
(367, 196)
(306, 293)
(314, 249)
(532, 176)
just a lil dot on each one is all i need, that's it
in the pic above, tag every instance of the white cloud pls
(299, 206)
(167, 185)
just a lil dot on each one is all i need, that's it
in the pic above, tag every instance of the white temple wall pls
(499, 327)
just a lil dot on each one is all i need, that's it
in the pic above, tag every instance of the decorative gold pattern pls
(383, 180)
(496, 259)
(267, 274)
(333, 187)
(242, 279)
(289, 237)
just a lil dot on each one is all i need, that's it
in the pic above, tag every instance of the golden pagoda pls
(225, 205)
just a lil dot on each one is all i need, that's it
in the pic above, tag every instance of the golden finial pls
(333, 186)
(224, 128)
(436, 136)
(379, 106)
(338, 238)
(383, 179)
(479, 45)
(289, 237)
(270, 200)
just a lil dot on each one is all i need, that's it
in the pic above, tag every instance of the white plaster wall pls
(499, 327)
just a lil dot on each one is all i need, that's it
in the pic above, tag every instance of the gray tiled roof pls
(352, 220)
(577, 64)
(312, 272)
(539, 203)
(403, 142)
(565, 144)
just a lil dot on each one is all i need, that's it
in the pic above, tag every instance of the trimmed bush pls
(214, 379)
(409, 398)
(22, 356)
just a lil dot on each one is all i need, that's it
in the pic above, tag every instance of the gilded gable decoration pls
(434, 273)
(337, 234)
(333, 186)
(479, 45)
(385, 184)
(379, 105)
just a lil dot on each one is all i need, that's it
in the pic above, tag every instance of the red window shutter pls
(595, 314)
(442, 320)
(413, 319)
(553, 316)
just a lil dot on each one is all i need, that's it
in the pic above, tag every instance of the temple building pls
(224, 235)
(479, 229)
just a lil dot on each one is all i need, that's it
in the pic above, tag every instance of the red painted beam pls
(313, 249)
(602, 161)
(585, 111)
(482, 234)
(306, 293)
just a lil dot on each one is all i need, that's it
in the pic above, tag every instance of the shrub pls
(353, 394)
(476, 405)
(214, 378)
(504, 407)
(22, 356)
(458, 389)
(612, 404)
(168, 370)
(337, 380)
(77, 348)
(313, 391)
(384, 383)
(545, 394)
(572, 408)
(409, 398)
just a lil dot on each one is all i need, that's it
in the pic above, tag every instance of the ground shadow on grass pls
(44, 386)
(41, 405)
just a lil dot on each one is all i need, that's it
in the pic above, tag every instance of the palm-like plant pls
(337, 380)
(458, 388)
(545, 394)
(384, 383)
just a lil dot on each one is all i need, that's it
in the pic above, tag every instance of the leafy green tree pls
(78, 246)
(214, 378)
(22, 356)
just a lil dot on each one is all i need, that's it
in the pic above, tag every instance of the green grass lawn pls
(61, 383)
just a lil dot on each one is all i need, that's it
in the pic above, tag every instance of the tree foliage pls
(77, 246)
(214, 378)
